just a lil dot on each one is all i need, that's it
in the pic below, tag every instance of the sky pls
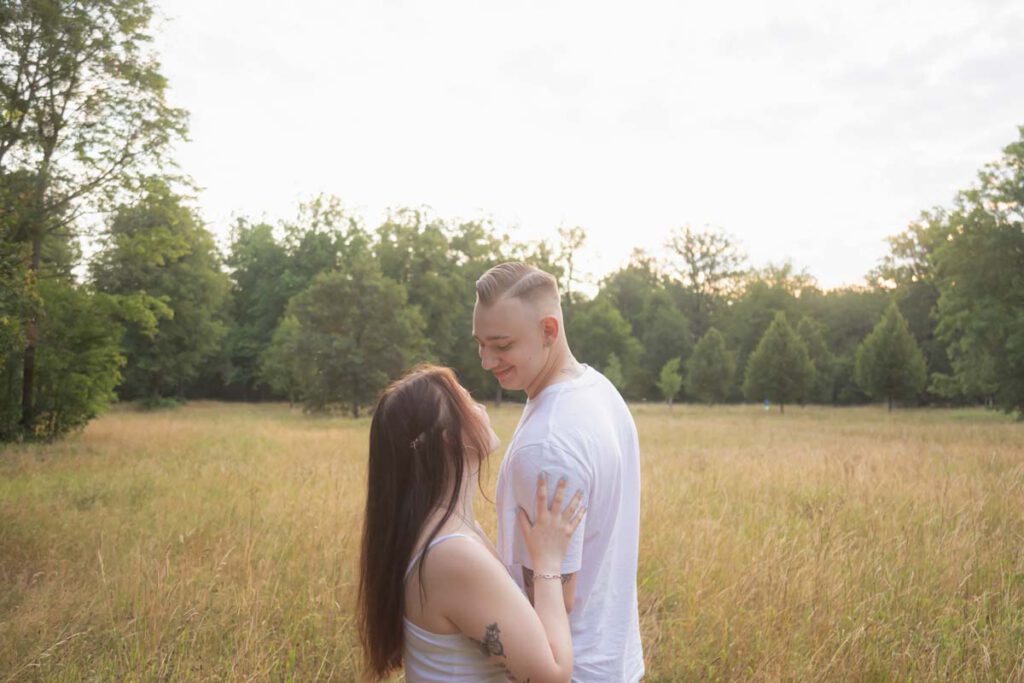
(808, 131)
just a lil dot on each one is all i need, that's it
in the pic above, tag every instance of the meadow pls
(219, 542)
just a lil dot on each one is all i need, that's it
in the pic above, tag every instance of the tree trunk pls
(355, 410)
(782, 408)
(498, 397)
(28, 370)
(890, 403)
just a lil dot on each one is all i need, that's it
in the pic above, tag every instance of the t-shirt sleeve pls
(527, 464)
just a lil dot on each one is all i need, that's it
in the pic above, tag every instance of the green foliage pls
(613, 371)
(764, 293)
(813, 334)
(282, 364)
(343, 339)
(598, 330)
(889, 364)
(670, 380)
(82, 112)
(710, 370)
(780, 369)
(666, 335)
(980, 275)
(159, 248)
(77, 366)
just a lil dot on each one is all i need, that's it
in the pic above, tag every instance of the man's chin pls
(508, 383)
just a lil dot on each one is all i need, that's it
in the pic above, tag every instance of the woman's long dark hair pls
(422, 426)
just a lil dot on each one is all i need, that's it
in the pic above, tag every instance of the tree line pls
(323, 310)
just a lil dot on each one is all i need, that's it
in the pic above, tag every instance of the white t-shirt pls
(581, 429)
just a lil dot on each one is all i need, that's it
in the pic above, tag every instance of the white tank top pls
(443, 657)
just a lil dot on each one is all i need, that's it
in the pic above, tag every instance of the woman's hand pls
(547, 538)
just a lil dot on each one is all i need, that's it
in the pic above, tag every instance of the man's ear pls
(550, 328)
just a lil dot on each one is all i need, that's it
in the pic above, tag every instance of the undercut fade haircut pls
(518, 280)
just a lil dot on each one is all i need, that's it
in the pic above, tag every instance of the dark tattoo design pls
(491, 644)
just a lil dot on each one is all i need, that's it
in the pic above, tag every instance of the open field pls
(219, 542)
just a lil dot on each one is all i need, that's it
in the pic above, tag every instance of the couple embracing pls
(555, 599)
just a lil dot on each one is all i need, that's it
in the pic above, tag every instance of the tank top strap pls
(436, 541)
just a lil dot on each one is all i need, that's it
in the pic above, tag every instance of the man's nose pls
(487, 361)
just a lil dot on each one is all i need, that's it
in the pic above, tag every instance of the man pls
(575, 426)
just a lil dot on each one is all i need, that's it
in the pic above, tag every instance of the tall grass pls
(220, 542)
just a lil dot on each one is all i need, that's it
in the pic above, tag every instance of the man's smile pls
(503, 374)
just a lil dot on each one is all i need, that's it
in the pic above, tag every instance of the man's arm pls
(525, 466)
(568, 587)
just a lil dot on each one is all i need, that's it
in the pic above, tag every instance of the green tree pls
(669, 380)
(159, 247)
(980, 276)
(666, 335)
(763, 294)
(352, 333)
(82, 109)
(267, 271)
(78, 364)
(598, 330)
(813, 334)
(281, 366)
(780, 368)
(613, 371)
(259, 263)
(710, 369)
(889, 363)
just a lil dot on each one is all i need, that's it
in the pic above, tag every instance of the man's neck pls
(563, 367)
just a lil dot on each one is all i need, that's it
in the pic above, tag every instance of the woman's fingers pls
(524, 521)
(575, 522)
(570, 510)
(542, 495)
(556, 504)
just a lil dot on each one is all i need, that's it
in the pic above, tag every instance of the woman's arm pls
(532, 643)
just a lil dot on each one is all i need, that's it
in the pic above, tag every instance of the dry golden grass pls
(219, 542)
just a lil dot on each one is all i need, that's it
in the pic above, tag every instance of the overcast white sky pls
(808, 130)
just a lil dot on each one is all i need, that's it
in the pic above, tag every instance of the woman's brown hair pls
(422, 427)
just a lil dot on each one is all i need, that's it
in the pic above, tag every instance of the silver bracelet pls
(548, 576)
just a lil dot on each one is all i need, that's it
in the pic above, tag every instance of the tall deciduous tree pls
(710, 369)
(980, 275)
(889, 363)
(82, 108)
(780, 368)
(350, 333)
(159, 247)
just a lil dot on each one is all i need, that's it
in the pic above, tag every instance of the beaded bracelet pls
(547, 576)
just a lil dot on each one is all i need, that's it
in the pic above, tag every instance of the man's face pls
(510, 338)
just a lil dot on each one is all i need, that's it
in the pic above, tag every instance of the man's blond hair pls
(518, 280)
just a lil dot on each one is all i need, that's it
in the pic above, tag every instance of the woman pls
(432, 592)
